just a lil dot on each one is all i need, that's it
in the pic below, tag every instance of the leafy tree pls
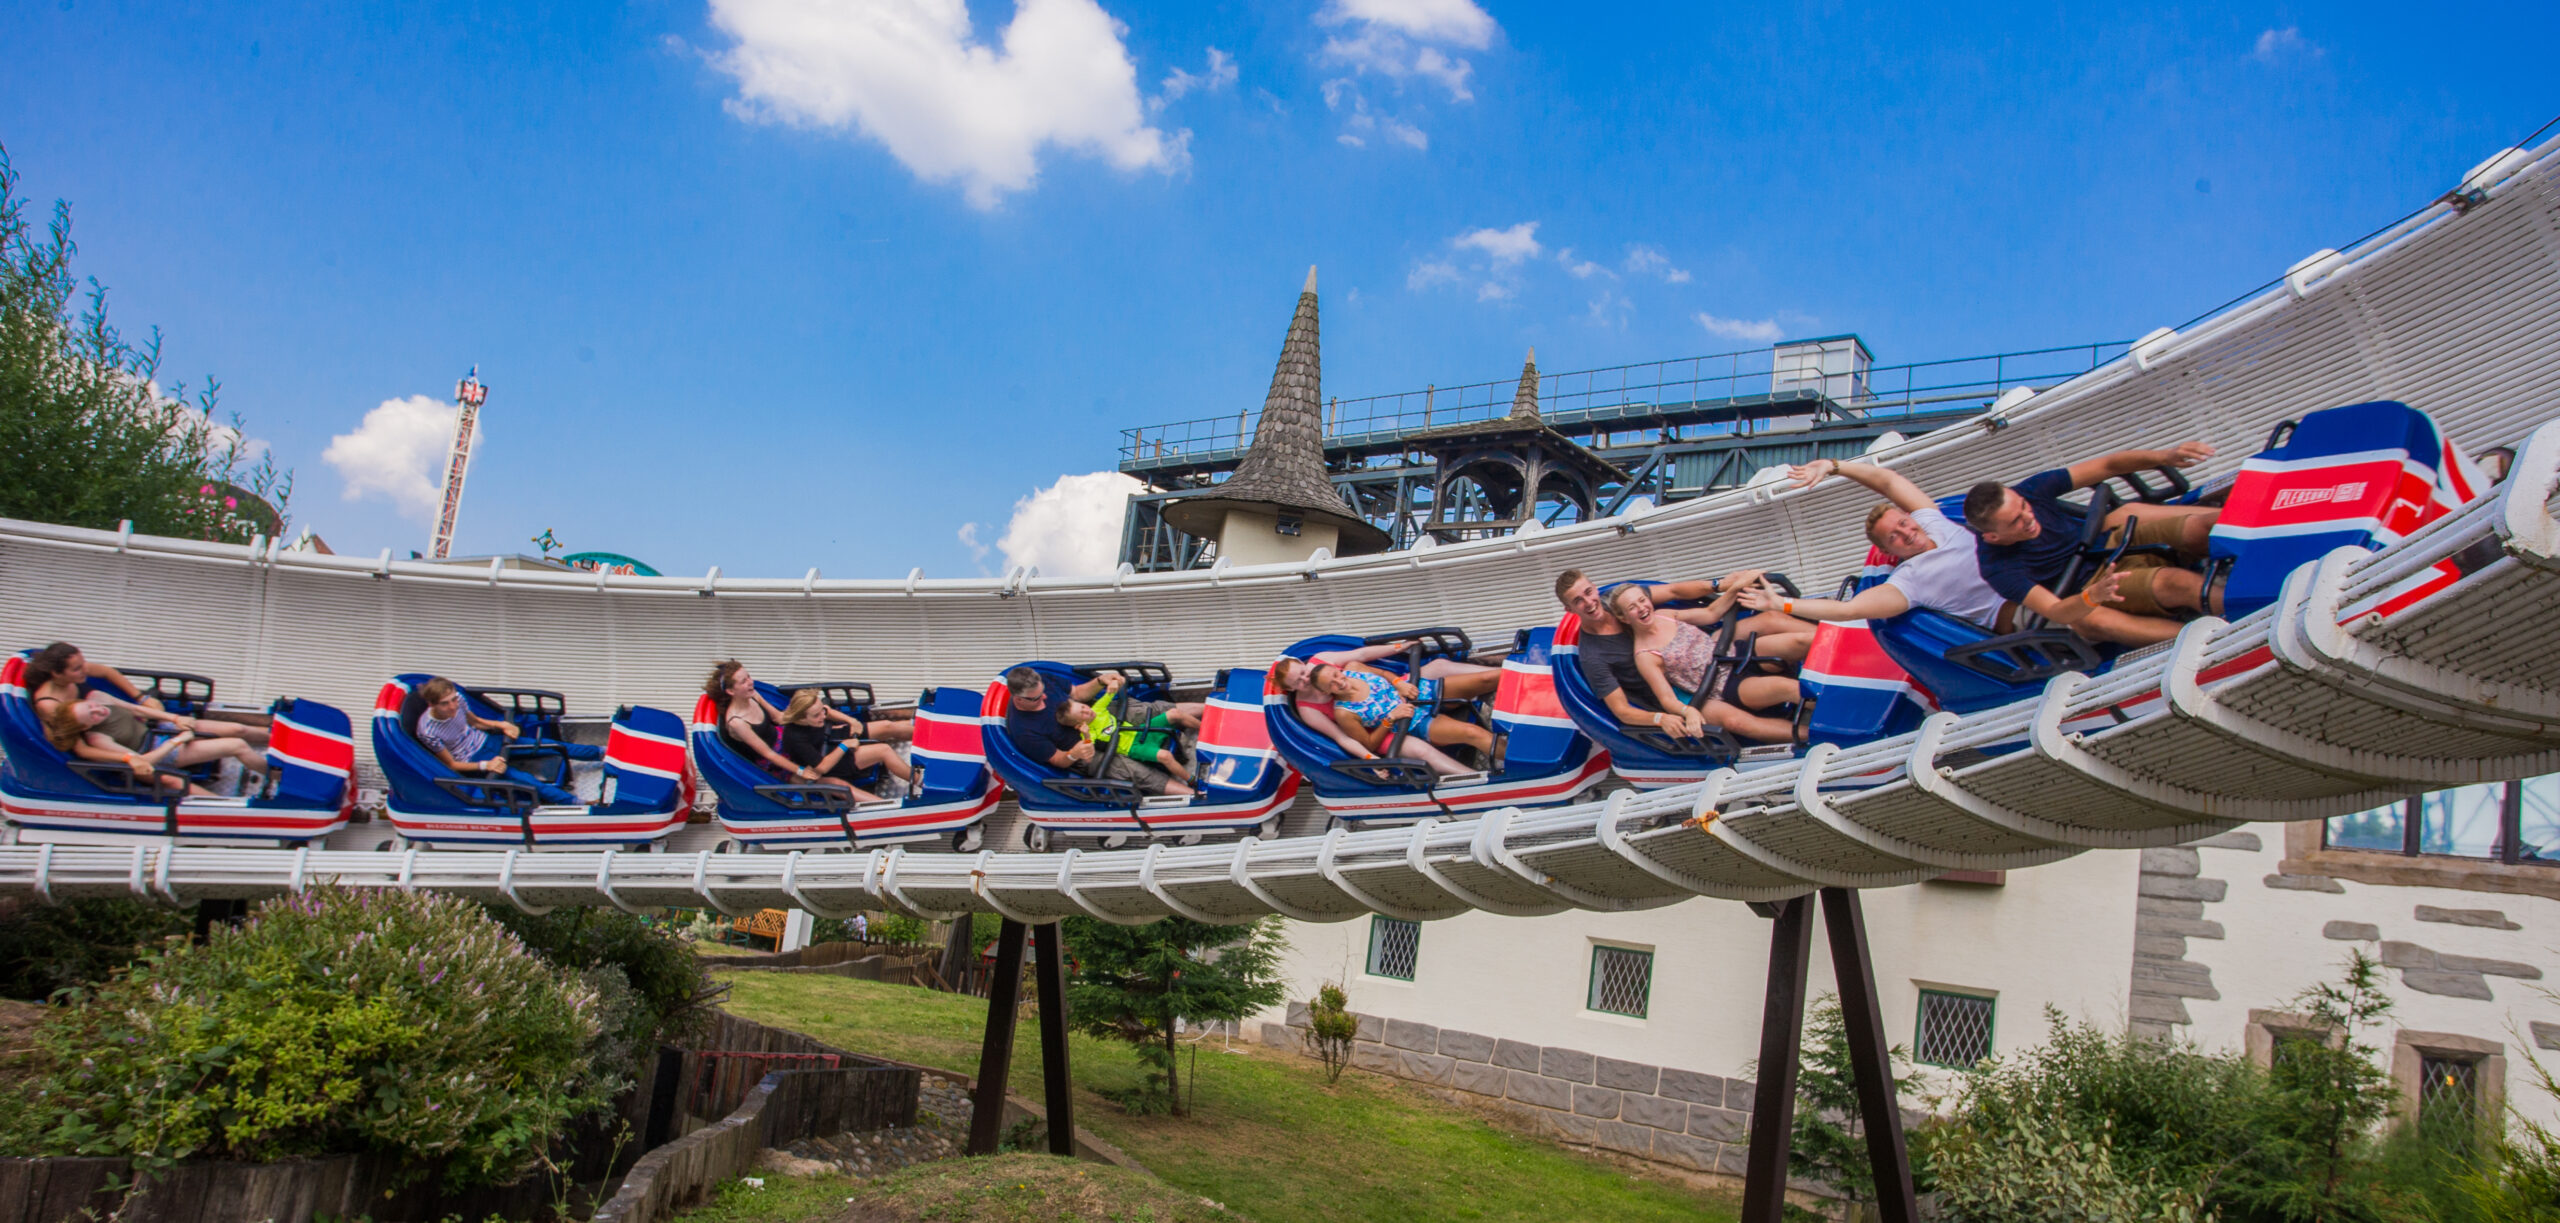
(44, 948)
(90, 436)
(1131, 982)
(1830, 1139)
(2313, 1137)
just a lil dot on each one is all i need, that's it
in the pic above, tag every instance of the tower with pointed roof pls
(1492, 474)
(1280, 505)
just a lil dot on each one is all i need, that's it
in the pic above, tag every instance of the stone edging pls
(1688, 1120)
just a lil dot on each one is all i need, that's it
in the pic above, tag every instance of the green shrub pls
(1330, 1029)
(44, 948)
(1132, 983)
(670, 989)
(329, 1023)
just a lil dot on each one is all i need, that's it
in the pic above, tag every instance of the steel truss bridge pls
(1679, 429)
(2284, 715)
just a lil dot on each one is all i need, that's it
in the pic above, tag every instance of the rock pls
(784, 1163)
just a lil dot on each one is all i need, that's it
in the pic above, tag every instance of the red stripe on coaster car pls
(655, 755)
(1846, 649)
(1233, 727)
(948, 736)
(293, 743)
(1527, 693)
(388, 700)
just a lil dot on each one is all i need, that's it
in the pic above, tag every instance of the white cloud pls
(1220, 74)
(1761, 331)
(1069, 529)
(1609, 310)
(911, 75)
(977, 551)
(1582, 269)
(1431, 272)
(1362, 124)
(1401, 40)
(2277, 45)
(397, 453)
(1450, 21)
(1495, 290)
(1644, 260)
(1505, 246)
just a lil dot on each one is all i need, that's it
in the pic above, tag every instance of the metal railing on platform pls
(1597, 402)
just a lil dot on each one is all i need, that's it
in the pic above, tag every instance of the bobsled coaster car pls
(1236, 784)
(642, 797)
(951, 795)
(51, 796)
(2363, 476)
(1539, 757)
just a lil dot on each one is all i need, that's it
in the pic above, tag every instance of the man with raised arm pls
(1935, 554)
(2030, 535)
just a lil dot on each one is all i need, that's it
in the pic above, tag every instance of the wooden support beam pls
(1049, 976)
(1773, 1104)
(1870, 1058)
(995, 1057)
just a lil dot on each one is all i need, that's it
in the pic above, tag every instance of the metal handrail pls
(1577, 399)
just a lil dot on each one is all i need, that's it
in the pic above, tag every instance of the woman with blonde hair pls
(1677, 660)
(76, 729)
(752, 725)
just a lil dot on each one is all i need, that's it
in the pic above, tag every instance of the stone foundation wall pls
(1698, 1122)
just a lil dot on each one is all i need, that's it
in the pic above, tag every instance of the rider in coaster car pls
(1064, 738)
(753, 726)
(1677, 659)
(60, 672)
(2030, 537)
(1367, 704)
(1935, 566)
(80, 729)
(460, 739)
(813, 759)
(1606, 654)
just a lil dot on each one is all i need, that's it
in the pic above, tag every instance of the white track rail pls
(2457, 312)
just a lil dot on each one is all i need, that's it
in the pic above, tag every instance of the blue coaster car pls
(51, 796)
(950, 799)
(644, 796)
(1546, 759)
(1237, 786)
(2360, 475)
(2363, 475)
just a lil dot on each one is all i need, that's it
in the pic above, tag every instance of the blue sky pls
(770, 285)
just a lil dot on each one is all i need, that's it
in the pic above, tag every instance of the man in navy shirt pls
(2029, 536)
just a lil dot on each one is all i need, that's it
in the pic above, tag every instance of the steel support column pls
(995, 1057)
(1773, 1104)
(1870, 1058)
(1049, 976)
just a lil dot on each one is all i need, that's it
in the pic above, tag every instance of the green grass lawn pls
(998, 1189)
(1271, 1139)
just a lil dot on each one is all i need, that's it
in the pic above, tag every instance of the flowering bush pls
(330, 1023)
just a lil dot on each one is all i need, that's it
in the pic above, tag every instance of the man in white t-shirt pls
(1935, 556)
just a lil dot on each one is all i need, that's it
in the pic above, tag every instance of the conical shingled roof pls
(1284, 471)
(1524, 402)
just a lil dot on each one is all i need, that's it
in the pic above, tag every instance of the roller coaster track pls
(2288, 714)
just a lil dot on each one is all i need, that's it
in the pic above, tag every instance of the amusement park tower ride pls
(468, 395)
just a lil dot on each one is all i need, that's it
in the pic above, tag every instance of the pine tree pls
(1130, 983)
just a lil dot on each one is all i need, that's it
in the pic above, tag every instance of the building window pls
(2449, 1100)
(2451, 1086)
(1394, 946)
(1621, 980)
(1955, 1029)
(2513, 822)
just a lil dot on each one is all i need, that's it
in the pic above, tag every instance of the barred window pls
(1394, 945)
(1955, 1029)
(1621, 980)
(2449, 1100)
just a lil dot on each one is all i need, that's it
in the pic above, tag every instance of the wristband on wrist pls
(2088, 596)
(1787, 606)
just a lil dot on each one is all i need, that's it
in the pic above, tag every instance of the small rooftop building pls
(1281, 505)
